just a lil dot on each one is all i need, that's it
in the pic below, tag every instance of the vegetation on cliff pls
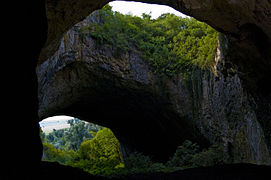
(170, 44)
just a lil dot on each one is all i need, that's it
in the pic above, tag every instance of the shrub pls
(50, 153)
(184, 155)
(137, 162)
(169, 44)
(214, 155)
(100, 155)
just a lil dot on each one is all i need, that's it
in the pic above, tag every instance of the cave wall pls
(25, 32)
(245, 23)
(20, 85)
(227, 16)
(226, 112)
(86, 80)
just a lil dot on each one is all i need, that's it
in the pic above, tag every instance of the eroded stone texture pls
(150, 113)
(227, 16)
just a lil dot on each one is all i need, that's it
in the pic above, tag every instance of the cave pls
(139, 116)
(245, 24)
(124, 95)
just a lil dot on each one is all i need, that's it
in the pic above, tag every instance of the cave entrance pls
(92, 77)
(139, 8)
(93, 148)
(67, 86)
(73, 142)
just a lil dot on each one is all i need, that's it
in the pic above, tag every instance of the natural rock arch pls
(227, 16)
(245, 23)
(244, 33)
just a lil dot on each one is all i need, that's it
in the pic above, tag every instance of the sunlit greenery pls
(71, 138)
(98, 150)
(100, 154)
(170, 44)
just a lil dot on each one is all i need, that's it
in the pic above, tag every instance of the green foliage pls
(139, 163)
(77, 132)
(71, 138)
(184, 154)
(189, 155)
(50, 153)
(212, 156)
(100, 155)
(170, 44)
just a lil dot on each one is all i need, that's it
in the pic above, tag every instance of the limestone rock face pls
(149, 113)
(225, 112)
(227, 16)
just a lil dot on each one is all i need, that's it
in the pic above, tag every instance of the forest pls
(97, 151)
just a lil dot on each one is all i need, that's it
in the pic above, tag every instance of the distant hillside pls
(49, 124)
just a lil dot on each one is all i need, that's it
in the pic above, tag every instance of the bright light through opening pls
(137, 8)
(56, 122)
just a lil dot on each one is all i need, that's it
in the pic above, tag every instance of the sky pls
(137, 8)
(56, 122)
(60, 118)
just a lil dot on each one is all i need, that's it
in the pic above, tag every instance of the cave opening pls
(133, 74)
(228, 20)
(73, 142)
(90, 76)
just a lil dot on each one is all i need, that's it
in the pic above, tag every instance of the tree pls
(170, 44)
(50, 153)
(71, 138)
(146, 17)
(184, 155)
(100, 155)
(77, 133)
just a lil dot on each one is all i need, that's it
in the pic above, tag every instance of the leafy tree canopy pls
(170, 44)
(101, 155)
(72, 137)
